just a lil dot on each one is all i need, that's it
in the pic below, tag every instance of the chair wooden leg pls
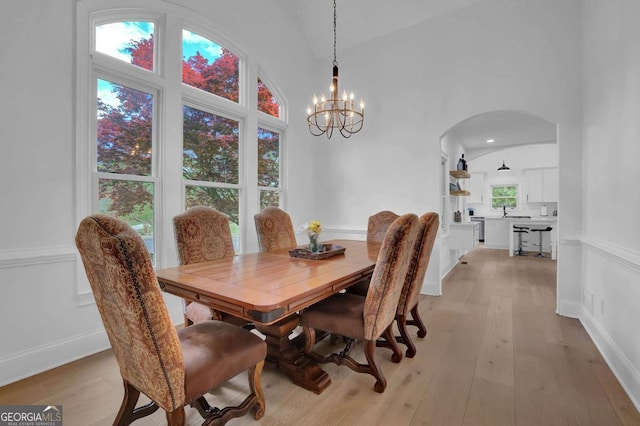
(404, 337)
(381, 382)
(255, 384)
(254, 402)
(392, 344)
(202, 405)
(176, 417)
(129, 401)
(128, 412)
(417, 321)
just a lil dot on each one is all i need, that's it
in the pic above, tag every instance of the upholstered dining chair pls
(172, 368)
(202, 233)
(366, 318)
(274, 229)
(378, 224)
(408, 304)
(377, 227)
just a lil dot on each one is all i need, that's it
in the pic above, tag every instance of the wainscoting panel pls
(610, 313)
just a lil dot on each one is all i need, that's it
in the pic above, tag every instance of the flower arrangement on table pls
(313, 229)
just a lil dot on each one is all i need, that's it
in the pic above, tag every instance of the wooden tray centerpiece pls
(324, 251)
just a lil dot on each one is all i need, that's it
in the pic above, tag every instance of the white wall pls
(611, 239)
(419, 82)
(44, 320)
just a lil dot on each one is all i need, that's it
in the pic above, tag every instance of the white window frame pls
(170, 94)
(517, 197)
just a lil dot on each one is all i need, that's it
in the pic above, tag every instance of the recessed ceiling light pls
(491, 140)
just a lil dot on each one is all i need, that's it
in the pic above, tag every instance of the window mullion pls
(172, 195)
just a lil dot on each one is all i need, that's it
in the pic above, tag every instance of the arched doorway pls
(527, 145)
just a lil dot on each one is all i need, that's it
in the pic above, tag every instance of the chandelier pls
(326, 115)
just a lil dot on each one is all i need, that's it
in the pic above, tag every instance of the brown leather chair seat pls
(342, 314)
(215, 343)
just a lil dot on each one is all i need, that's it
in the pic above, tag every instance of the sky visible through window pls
(114, 39)
(193, 43)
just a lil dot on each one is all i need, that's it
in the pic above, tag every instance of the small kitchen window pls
(504, 196)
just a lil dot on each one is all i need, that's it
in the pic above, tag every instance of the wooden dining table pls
(270, 289)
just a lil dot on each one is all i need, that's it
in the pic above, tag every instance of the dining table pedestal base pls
(288, 355)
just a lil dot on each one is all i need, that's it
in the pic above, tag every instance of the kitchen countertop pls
(470, 224)
(519, 219)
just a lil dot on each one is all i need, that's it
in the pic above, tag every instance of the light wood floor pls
(496, 354)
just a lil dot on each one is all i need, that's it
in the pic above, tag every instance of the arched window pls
(162, 121)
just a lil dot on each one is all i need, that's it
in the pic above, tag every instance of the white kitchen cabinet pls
(476, 187)
(496, 233)
(550, 184)
(465, 236)
(542, 185)
(534, 185)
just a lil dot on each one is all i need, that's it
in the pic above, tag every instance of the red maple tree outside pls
(210, 142)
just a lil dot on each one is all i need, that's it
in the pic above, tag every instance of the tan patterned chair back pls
(425, 239)
(379, 224)
(202, 233)
(274, 229)
(132, 308)
(388, 276)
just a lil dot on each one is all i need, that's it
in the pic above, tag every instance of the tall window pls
(504, 196)
(269, 167)
(124, 138)
(162, 135)
(269, 148)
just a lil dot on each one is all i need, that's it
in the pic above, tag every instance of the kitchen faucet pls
(504, 210)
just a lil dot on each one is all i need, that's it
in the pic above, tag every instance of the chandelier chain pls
(335, 61)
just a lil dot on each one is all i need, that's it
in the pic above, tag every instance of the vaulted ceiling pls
(361, 21)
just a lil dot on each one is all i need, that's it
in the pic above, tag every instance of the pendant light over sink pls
(504, 167)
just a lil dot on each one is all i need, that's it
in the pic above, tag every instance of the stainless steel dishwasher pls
(480, 220)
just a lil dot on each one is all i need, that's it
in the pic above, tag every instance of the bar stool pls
(541, 230)
(520, 230)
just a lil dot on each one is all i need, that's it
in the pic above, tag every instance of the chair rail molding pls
(624, 256)
(36, 256)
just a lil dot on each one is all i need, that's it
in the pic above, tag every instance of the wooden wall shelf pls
(461, 193)
(460, 174)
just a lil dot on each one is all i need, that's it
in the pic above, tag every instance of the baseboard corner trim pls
(622, 368)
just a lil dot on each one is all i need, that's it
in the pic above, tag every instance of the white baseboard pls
(20, 365)
(569, 309)
(622, 368)
(431, 288)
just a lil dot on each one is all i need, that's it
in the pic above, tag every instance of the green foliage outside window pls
(504, 195)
